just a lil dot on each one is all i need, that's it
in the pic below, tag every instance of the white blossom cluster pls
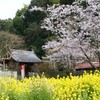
(77, 30)
(35, 8)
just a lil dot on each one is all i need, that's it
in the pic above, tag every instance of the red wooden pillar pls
(22, 71)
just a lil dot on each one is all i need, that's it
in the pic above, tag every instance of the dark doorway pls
(27, 69)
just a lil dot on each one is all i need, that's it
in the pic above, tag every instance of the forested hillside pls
(27, 25)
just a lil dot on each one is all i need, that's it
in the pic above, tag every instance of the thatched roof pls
(24, 56)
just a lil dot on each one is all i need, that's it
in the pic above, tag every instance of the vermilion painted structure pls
(86, 65)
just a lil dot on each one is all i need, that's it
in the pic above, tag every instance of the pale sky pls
(8, 8)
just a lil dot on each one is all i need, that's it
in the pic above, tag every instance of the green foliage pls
(35, 37)
(83, 3)
(31, 33)
(66, 2)
(18, 25)
(6, 25)
(54, 1)
(40, 94)
(40, 3)
(21, 11)
(35, 16)
(18, 21)
(43, 3)
(94, 42)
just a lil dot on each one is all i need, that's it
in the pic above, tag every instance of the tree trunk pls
(88, 59)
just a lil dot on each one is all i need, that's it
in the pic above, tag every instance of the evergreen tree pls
(66, 2)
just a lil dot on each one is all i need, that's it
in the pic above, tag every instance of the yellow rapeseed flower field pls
(85, 87)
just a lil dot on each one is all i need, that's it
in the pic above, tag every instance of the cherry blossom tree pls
(77, 29)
